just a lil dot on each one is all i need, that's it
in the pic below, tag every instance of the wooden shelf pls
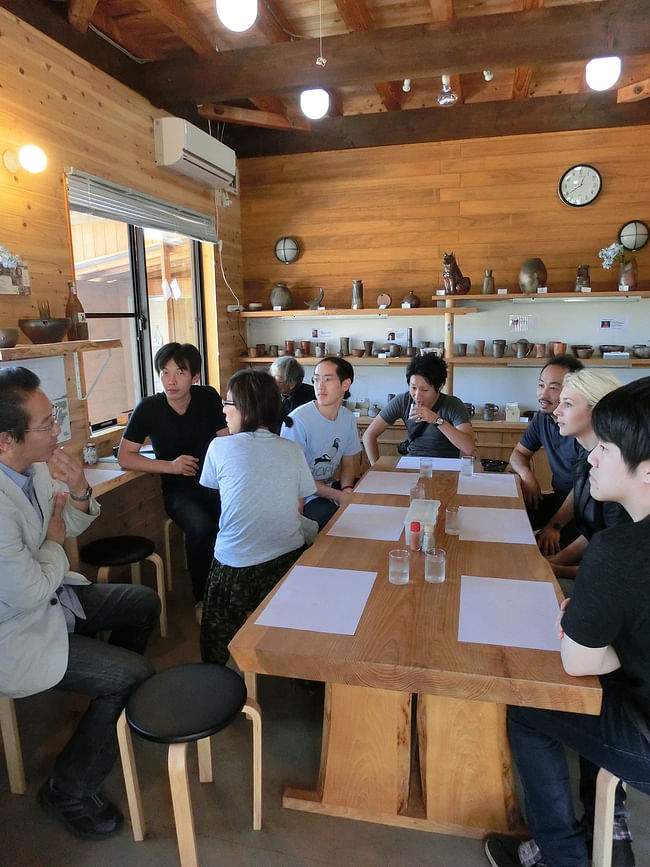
(511, 361)
(45, 350)
(311, 359)
(550, 296)
(367, 312)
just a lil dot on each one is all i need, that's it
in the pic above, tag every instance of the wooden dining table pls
(414, 729)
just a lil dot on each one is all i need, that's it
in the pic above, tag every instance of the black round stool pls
(186, 703)
(127, 551)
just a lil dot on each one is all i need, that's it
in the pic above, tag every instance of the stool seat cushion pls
(117, 550)
(186, 703)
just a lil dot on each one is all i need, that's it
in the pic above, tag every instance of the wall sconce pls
(601, 73)
(30, 157)
(314, 103)
(446, 96)
(237, 15)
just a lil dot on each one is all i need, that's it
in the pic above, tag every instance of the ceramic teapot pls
(522, 348)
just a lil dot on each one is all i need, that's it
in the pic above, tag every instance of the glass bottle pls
(428, 538)
(78, 329)
(415, 536)
(488, 282)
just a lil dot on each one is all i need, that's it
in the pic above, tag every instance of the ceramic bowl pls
(611, 347)
(641, 350)
(8, 337)
(44, 330)
(255, 305)
(357, 353)
(582, 350)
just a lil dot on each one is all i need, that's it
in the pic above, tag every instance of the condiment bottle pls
(74, 311)
(90, 453)
(415, 536)
(428, 538)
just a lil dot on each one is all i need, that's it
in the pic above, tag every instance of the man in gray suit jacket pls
(49, 616)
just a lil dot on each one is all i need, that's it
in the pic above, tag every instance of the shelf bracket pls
(77, 375)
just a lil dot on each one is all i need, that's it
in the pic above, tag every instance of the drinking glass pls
(398, 566)
(426, 468)
(418, 492)
(453, 521)
(434, 566)
(467, 465)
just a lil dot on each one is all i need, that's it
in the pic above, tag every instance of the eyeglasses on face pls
(229, 403)
(56, 415)
(325, 379)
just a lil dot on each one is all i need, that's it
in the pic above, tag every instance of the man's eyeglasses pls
(229, 403)
(56, 416)
(325, 379)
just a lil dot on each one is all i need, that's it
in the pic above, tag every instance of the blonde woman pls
(581, 391)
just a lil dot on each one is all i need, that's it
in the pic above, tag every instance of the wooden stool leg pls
(136, 573)
(252, 711)
(102, 574)
(204, 752)
(604, 818)
(11, 741)
(131, 782)
(177, 765)
(167, 531)
(160, 587)
(250, 679)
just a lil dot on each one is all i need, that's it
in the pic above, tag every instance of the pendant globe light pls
(237, 15)
(315, 102)
(601, 73)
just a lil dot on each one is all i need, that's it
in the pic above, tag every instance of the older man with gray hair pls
(289, 375)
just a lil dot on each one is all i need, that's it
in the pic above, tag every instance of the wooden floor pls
(292, 729)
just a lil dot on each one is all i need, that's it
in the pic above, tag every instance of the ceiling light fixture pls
(30, 157)
(447, 96)
(407, 85)
(602, 73)
(315, 102)
(488, 75)
(237, 15)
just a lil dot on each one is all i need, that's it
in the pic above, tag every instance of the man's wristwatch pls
(87, 494)
(440, 420)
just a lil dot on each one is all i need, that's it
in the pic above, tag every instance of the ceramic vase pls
(628, 276)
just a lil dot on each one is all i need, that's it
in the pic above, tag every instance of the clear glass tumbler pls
(434, 566)
(467, 465)
(398, 566)
(453, 521)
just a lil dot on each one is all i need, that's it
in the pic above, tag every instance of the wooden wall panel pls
(83, 118)
(386, 215)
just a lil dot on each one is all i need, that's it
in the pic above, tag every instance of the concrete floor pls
(222, 810)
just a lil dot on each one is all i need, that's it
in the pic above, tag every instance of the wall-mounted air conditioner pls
(186, 149)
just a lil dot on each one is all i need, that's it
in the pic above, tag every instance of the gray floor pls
(292, 721)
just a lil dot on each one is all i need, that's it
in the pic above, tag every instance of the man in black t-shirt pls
(604, 631)
(181, 423)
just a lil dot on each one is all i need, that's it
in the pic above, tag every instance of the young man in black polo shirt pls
(604, 631)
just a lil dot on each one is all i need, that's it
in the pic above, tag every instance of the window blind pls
(93, 195)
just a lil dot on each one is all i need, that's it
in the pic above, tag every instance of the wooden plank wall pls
(83, 118)
(386, 214)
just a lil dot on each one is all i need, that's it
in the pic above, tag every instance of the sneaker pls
(90, 818)
(504, 852)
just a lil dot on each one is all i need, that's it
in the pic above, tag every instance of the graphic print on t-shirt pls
(325, 471)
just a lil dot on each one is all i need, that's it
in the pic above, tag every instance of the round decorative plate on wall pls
(287, 250)
(634, 235)
(580, 185)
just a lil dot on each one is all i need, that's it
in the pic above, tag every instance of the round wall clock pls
(287, 250)
(580, 185)
(634, 235)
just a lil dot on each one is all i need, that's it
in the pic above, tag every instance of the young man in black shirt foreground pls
(604, 630)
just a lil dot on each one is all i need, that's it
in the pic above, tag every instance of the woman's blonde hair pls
(591, 384)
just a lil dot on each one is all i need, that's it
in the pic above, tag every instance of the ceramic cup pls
(305, 347)
(557, 348)
(461, 349)
(252, 352)
(289, 346)
(261, 349)
(479, 347)
(540, 350)
(498, 348)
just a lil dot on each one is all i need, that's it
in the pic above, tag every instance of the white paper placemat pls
(508, 612)
(319, 600)
(384, 523)
(488, 485)
(495, 525)
(375, 482)
(408, 462)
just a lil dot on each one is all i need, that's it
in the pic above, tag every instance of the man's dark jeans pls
(538, 737)
(196, 511)
(108, 673)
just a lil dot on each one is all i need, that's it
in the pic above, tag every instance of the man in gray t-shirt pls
(327, 433)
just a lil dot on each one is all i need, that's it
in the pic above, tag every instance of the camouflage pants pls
(230, 594)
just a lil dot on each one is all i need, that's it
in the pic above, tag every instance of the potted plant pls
(628, 276)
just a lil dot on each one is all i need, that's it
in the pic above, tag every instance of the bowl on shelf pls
(611, 347)
(582, 350)
(640, 350)
(357, 353)
(44, 330)
(8, 337)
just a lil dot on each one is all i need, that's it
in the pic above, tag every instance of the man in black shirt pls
(289, 375)
(604, 631)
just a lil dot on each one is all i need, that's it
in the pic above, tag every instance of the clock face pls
(580, 185)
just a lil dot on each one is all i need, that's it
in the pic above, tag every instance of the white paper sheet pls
(488, 485)
(386, 483)
(358, 521)
(495, 525)
(508, 612)
(408, 462)
(320, 600)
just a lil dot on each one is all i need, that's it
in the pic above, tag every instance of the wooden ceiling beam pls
(80, 12)
(501, 41)
(182, 19)
(249, 117)
(469, 121)
(634, 92)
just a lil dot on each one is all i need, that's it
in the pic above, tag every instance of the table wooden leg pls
(467, 779)
(365, 758)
